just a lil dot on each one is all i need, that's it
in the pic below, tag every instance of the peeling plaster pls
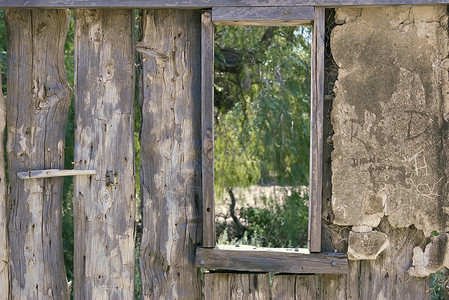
(433, 258)
(387, 115)
(366, 245)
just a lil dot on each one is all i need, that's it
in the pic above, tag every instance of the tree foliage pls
(262, 100)
(262, 104)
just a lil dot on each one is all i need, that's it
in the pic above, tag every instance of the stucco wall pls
(390, 134)
(390, 116)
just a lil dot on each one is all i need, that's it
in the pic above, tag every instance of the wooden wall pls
(170, 175)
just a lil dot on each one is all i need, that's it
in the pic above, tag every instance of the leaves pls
(262, 104)
(262, 110)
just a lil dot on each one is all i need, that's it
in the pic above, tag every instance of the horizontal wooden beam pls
(201, 3)
(252, 259)
(263, 16)
(53, 173)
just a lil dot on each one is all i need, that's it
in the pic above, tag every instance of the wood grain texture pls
(224, 286)
(263, 16)
(53, 173)
(104, 204)
(203, 3)
(171, 153)
(217, 286)
(304, 287)
(207, 128)
(4, 248)
(38, 100)
(270, 260)
(387, 276)
(316, 131)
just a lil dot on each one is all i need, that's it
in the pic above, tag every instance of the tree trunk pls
(104, 204)
(38, 100)
(4, 252)
(171, 153)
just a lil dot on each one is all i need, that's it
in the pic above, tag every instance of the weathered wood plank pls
(217, 286)
(307, 287)
(38, 100)
(104, 204)
(4, 251)
(259, 286)
(203, 3)
(387, 276)
(53, 173)
(304, 287)
(263, 16)
(333, 286)
(270, 260)
(284, 287)
(224, 286)
(207, 128)
(171, 153)
(250, 286)
(316, 131)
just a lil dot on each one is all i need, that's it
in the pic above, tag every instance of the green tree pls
(262, 104)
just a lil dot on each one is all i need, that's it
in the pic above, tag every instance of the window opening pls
(246, 257)
(261, 141)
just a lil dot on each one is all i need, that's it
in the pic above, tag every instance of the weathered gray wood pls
(53, 173)
(203, 3)
(207, 128)
(333, 286)
(171, 153)
(307, 287)
(304, 287)
(259, 286)
(217, 286)
(250, 286)
(316, 131)
(4, 252)
(252, 259)
(38, 100)
(387, 277)
(224, 286)
(284, 287)
(263, 16)
(104, 204)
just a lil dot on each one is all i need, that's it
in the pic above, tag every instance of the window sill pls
(284, 260)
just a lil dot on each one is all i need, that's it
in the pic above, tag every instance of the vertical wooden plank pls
(283, 287)
(217, 286)
(259, 286)
(171, 153)
(248, 286)
(38, 100)
(334, 286)
(104, 204)
(207, 128)
(316, 131)
(304, 287)
(239, 284)
(307, 287)
(4, 251)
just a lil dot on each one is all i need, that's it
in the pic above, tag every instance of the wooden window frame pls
(248, 258)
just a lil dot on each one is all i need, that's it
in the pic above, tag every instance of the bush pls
(279, 226)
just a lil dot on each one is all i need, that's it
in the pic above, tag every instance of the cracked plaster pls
(388, 117)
